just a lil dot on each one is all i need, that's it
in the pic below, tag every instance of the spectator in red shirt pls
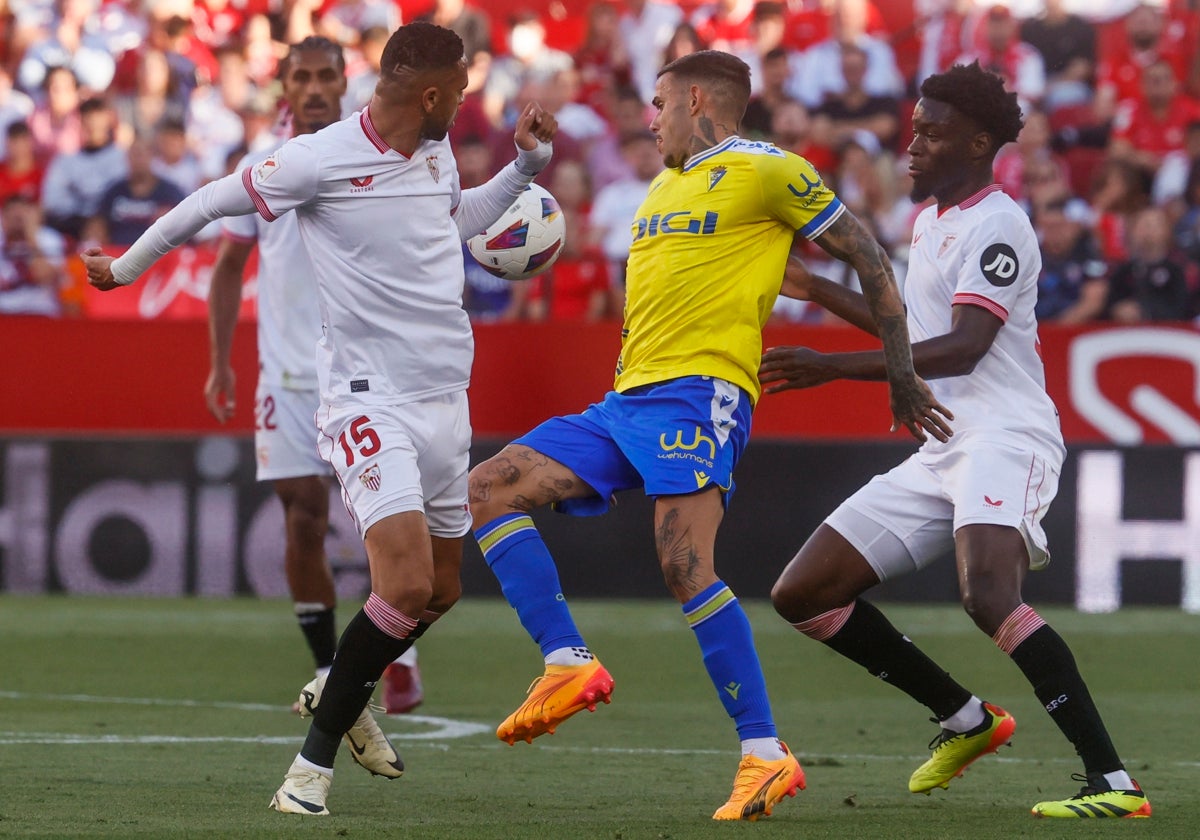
(726, 25)
(602, 59)
(792, 128)
(1017, 159)
(1120, 193)
(20, 173)
(1004, 53)
(576, 288)
(1146, 39)
(1152, 126)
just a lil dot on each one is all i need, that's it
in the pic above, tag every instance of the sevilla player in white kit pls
(970, 295)
(286, 399)
(382, 220)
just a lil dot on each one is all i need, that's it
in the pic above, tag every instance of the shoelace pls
(943, 735)
(745, 783)
(1088, 789)
(372, 729)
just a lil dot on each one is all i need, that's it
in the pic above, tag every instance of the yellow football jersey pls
(709, 246)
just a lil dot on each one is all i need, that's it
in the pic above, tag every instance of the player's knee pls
(306, 524)
(786, 601)
(987, 609)
(411, 595)
(488, 493)
(445, 595)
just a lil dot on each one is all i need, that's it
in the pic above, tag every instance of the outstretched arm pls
(225, 197)
(801, 284)
(913, 404)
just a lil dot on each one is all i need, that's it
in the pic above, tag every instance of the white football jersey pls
(386, 254)
(983, 252)
(289, 319)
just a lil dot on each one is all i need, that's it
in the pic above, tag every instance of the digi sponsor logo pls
(678, 221)
(372, 478)
(359, 185)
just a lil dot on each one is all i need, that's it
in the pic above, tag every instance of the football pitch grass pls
(170, 718)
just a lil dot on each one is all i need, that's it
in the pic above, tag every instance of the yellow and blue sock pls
(519, 559)
(727, 643)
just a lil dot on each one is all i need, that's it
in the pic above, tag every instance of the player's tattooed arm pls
(913, 404)
(800, 283)
(847, 240)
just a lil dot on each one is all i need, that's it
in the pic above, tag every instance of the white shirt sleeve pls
(226, 197)
(995, 265)
(284, 180)
(242, 228)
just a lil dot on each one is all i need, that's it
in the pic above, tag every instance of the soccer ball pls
(525, 240)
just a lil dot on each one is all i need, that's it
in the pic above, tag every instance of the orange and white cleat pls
(553, 697)
(760, 785)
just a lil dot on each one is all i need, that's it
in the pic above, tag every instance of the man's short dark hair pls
(725, 75)
(20, 128)
(421, 45)
(978, 95)
(91, 105)
(314, 43)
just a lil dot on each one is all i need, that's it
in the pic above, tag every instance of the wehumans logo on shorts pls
(698, 439)
(999, 264)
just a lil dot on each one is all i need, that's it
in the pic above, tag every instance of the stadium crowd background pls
(112, 110)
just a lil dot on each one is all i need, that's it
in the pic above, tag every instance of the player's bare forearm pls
(851, 243)
(225, 298)
(801, 284)
(913, 404)
(224, 302)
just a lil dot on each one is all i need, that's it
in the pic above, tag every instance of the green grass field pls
(168, 719)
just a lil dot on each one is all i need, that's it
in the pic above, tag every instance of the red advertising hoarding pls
(1123, 385)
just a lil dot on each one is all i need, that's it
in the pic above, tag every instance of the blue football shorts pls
(671, 438)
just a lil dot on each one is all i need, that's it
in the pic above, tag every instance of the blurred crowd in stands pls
(112, 110)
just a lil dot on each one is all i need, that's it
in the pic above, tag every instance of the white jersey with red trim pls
(983, 252)
(288, 315)
(378, 230)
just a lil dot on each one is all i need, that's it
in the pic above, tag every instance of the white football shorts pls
(396, 458)
(905, 519)
(285, 433)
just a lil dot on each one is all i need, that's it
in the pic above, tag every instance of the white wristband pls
(533, 161)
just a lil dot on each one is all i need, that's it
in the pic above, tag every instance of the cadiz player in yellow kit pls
(710, 243)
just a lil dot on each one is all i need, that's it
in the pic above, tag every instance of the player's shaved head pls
(418, 47)
(724, 77)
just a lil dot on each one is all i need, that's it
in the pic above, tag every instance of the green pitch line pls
(164, 719)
